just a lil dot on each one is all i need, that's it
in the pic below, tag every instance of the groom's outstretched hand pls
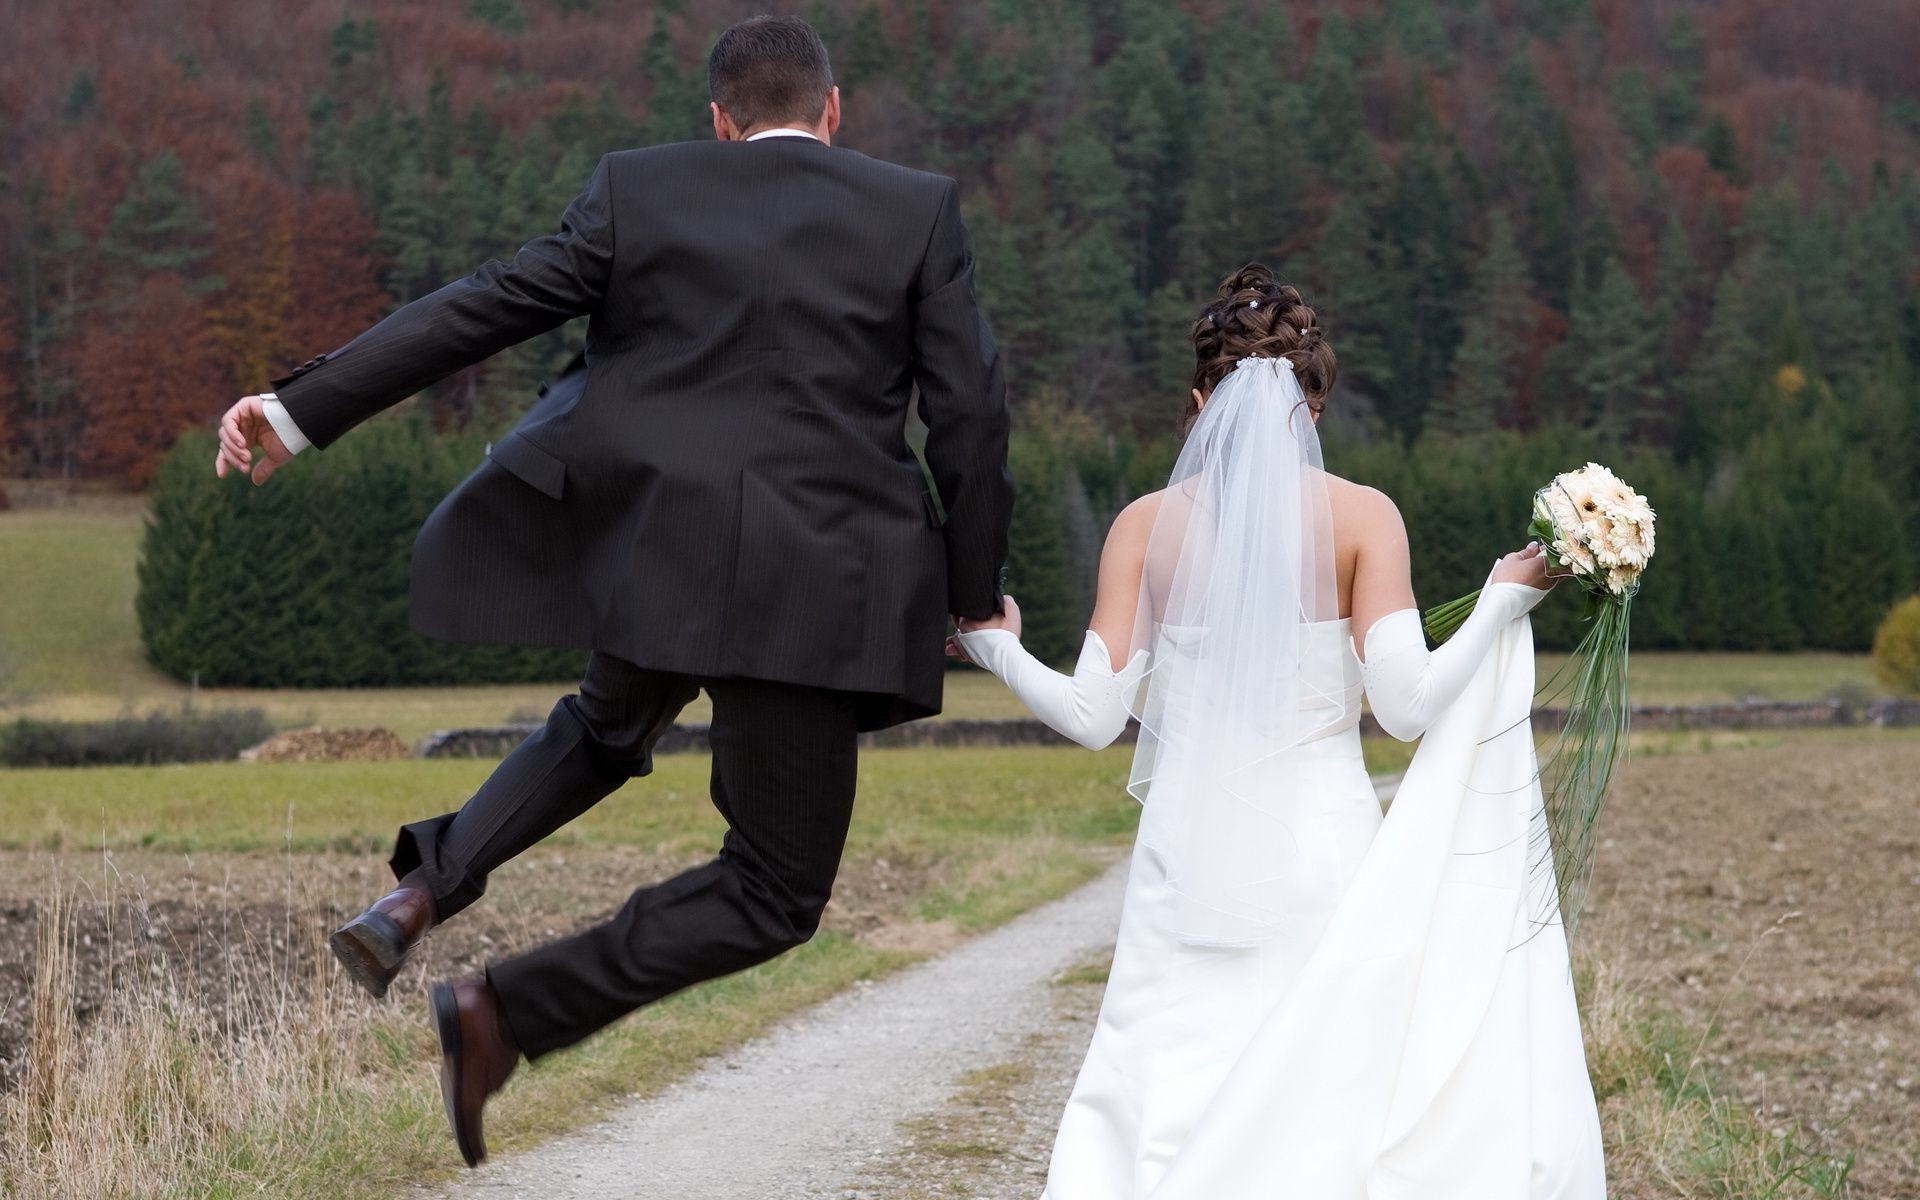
(244, 427)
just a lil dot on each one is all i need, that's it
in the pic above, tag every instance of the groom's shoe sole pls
(372, 948)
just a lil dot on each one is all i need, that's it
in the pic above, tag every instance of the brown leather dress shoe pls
(374, 944)
(477, 1054)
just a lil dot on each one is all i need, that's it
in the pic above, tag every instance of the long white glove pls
(1088, 706)
(1407, 684)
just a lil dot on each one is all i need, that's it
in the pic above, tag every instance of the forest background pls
(1675, 236)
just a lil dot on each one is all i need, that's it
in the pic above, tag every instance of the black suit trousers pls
(783, 777)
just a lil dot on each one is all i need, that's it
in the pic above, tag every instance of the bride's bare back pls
(1370, 553)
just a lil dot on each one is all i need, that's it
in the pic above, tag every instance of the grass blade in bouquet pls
(1599, 533)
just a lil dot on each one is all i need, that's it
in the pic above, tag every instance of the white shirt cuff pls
(282, 422)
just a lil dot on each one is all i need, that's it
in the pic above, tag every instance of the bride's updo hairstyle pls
(1257, 316)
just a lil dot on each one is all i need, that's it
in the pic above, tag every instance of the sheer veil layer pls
(1239, 567)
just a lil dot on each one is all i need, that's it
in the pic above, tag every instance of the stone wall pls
(492, 742)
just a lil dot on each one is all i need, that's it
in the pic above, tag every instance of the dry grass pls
(191, 1038)
(1671, 1134)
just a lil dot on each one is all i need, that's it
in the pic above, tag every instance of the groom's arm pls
(963, 399)
(551, 280)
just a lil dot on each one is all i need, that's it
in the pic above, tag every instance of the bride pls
(1309, 1001)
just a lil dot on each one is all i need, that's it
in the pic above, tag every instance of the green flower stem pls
(1443, 621)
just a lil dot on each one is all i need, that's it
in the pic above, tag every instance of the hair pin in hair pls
(1253, 304)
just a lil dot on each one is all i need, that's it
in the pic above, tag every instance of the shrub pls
(186, 735)
(1896, 648)
(303, 582)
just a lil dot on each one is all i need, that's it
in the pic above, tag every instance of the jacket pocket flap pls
(531, 463)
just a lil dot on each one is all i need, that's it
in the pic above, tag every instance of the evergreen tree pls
(1722, 149)
(1244, 195)
(1038, 558)
(82, 96)
(1684, 54)
(1616, 355)
(263, 136)
(1632, 104)
(504, 15)
(1358, 296)
(437, 125)
(677, 99)
(1336, 128)
(1495, 335)
(157, 226)
(1416, 28)
(1538, 165)
(868, 58)
(1421, 224)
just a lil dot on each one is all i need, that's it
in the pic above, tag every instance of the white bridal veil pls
(1239, 565)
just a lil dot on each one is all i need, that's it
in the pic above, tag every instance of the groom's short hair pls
(770, 71)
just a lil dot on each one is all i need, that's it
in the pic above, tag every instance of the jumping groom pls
(722, 497)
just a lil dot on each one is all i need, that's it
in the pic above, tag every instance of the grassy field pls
(69, 648)
(223, 1055)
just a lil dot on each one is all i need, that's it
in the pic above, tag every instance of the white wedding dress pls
(1416, 1040)
(1309, 1001)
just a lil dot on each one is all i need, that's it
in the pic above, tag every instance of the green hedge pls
(303, 582)
(1798, 542)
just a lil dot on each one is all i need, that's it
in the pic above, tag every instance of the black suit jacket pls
(723, 487)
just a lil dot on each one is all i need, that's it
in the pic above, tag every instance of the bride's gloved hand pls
(1407, 684)
(1088, 706)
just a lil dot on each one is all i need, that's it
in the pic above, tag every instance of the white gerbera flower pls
(1578, 558)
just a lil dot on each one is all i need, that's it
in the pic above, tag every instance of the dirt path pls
(811, 1107)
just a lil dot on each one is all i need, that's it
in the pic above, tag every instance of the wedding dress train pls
(1412, 1036)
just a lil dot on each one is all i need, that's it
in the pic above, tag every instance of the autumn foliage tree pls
(1593, 228)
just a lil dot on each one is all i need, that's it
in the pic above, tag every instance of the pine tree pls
(1617, 354)
(1494, 336)
(1422, 227)
(1722, 149)
(1358, 297)
(677, 101)
(1416, 28)
(1337, 129)
(1538, 165)
(504, 15)
(1038, 558)
(1632, 104)
(263, 136)
(868, 58)
(437, 125)
(1243, 197)
(1684, 58)
(158, 226)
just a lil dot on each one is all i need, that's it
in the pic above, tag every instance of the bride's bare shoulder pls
(1360, 510)
(1134, 525)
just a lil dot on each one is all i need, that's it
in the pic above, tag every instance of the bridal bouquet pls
(1598, 532)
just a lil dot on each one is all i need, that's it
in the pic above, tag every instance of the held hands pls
(1009, 620)
(1528, 566)
(244, 427)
